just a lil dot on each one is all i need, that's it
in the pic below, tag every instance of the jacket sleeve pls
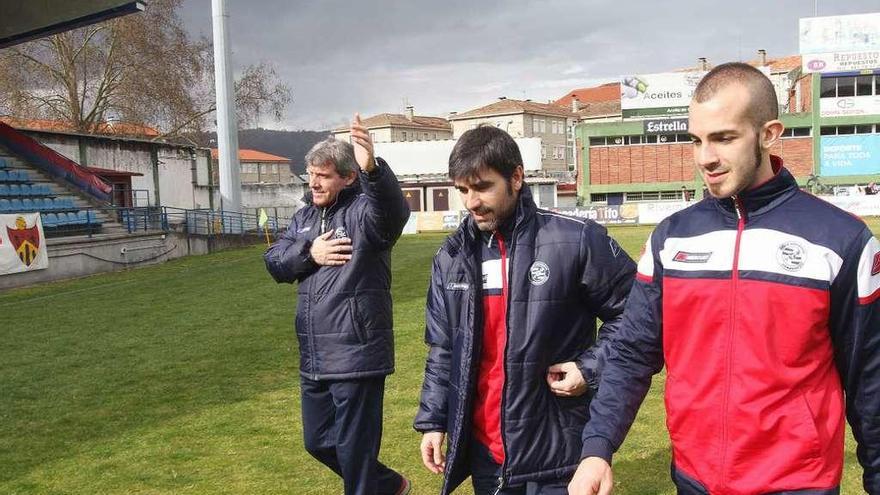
(608, 273)
(632, 357)
(386, 210)
(288, 259)
(432, 412)
(855, 334)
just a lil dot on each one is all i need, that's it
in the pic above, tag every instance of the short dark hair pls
(484, 147)
(763, 106)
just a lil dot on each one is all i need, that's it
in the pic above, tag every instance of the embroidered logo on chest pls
(875, 267)
(539, 273)
(686, 257)
(340, 233)
(791, 256)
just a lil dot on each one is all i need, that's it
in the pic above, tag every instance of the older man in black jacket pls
(338, 248)
(511, 325)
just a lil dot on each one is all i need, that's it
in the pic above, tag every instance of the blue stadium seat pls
(27, 204)
(3, 163)
(50, 220)
(14, 190)
(73, 219)
(4, 206)
(4, 176)
(16, 205)
(44, 190)
(82, 218)
(12, 175)
(23, 176)
(4, 190)
(93, 218)
(25, 190)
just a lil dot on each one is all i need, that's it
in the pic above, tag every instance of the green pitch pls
(181, 379)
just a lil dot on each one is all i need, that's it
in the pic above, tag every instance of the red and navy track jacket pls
(764, 308)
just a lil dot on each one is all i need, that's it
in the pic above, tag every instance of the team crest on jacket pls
(875, 267)
(340, 233)
(539, 273)
(791, 256)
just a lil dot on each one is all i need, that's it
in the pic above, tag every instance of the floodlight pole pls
(227, 127)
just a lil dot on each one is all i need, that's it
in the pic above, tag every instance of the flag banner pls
(22, 244)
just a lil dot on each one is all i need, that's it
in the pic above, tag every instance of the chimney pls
(409, 113)
(502, 97)
(762, 53)
(452, 114)
(702, 63)
(575, 105)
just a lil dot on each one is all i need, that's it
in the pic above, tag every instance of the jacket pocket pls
(357, 326)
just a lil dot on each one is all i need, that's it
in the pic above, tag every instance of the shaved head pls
(762, 106)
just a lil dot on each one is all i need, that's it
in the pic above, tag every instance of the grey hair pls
(333, 151)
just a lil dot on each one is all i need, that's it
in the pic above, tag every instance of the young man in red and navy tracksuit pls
(763, 302)
(511, 324)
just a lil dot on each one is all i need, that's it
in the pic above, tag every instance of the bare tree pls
(142, 68)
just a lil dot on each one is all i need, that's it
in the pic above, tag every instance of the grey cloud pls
(339, 57)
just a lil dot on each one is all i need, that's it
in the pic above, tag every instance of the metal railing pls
(196, 222)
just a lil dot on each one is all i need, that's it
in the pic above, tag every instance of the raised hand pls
(330, 252)
(363, 145)
(566, 380)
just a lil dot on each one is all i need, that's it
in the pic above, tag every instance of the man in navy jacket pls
(763, 302)
(338, 248)
(511, 324)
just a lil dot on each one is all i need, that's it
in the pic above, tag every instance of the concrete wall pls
(432, 157)
(175, 165)
(77, 257)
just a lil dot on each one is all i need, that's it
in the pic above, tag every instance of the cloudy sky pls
(339, 57)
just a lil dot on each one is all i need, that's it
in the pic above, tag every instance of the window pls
(403, 135)
(597, 141)
(864, 129)
(846, 86)
(598, 198)
(867, 85)
(650, 139)
(670, 195)
(616, 140)
(846, 129)
(682, 138)
(539, 126)
(635, 140)
(543, 152)
(863, 85)
(828, 88)
(829, 131)
(796, 132)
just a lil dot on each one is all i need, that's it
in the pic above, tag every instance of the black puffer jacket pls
(343, 314)
(581, 274)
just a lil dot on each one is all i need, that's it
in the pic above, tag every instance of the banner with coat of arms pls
(22, 244)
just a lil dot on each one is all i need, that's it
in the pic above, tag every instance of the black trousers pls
(485, 473)
(342, 428)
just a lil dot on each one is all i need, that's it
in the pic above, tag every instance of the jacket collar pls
(765, 196)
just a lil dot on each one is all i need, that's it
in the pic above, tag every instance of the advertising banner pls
(22, 244)
(849, 105)
(853, 61)
(665, 126)
(653, 95)
(840, 33)
(616, 214)
(857, 154)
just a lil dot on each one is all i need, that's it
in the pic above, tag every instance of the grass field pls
(181, 379)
